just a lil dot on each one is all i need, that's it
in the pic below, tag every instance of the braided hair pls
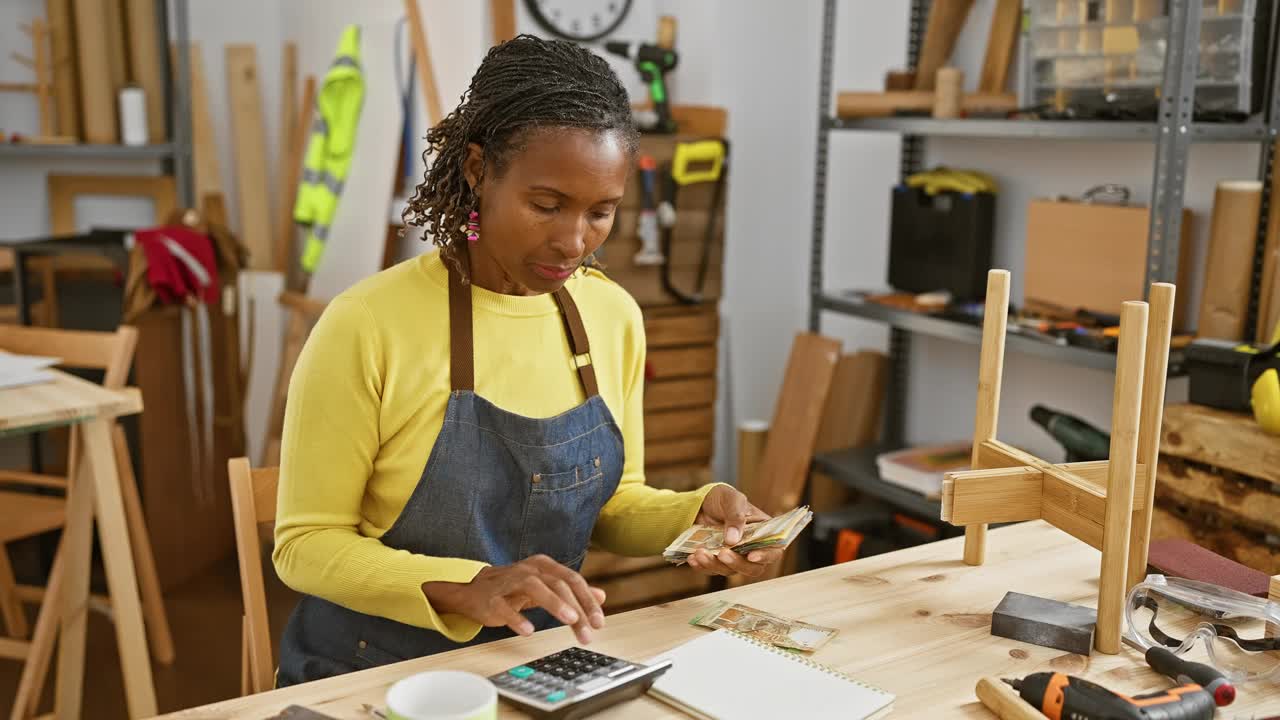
(524, 84)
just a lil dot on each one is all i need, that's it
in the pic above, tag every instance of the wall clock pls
(579, 20)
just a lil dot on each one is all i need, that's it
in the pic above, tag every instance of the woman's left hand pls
(726, 507)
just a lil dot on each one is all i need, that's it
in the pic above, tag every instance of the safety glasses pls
(1236, 633)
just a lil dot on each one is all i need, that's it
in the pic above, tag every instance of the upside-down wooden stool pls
(1106, 504)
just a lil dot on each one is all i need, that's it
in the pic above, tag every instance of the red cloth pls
(180, 263)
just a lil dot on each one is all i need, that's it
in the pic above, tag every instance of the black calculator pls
(575, 683)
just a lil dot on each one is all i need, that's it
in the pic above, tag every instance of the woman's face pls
(552, 207)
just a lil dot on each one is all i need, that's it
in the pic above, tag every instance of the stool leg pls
(986, 416)
(140, 541)
(1126, 407)
(1159, 331)
(36, 669)
(15, 620)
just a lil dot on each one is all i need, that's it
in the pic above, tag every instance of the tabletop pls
(65, 400)
(914, 622)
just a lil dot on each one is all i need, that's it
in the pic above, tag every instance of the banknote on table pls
(775, 532)
(765, 627)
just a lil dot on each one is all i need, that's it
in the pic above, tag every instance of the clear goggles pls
(1236, 633)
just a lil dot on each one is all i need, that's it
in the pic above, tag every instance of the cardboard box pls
(1094, 256)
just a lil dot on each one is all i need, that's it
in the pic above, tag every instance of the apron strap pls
(577, 340)
(461, 342)
(461, 363)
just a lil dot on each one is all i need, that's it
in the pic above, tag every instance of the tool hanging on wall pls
(653, 62)
(693, 162)
(647, 223)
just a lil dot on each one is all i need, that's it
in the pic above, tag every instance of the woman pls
(462, 425)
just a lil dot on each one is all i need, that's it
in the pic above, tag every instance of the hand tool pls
(647, 222)
(653, 62)
(693, 162)
(1185, 672)
(1059, 696)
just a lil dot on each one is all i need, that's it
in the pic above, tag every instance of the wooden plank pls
(502, 19)
(250, 152)
(285, 252)
(66, 95)
(986, 414)
(672, 394)
(1227, 440)
(1233, 495)
(144, 56)
(884, 104)
(97, 102)
(1159, 330)
(117, 43)
(992, 496)
(669, 363)
(695, 326)
(144, 560)
(946, 19)
(1080, 483)
(285, 173)
(1001, 41)
(673, 452)
(674, 424)
(63, 190)
(645, 285)
(422, 60)
(793, 432)
(851, 418)
(204, 146)
(65, 400)
(11, 610)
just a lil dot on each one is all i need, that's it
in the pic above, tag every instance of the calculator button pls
(556, 696)
(521, 672)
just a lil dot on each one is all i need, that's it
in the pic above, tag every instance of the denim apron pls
(497, 488)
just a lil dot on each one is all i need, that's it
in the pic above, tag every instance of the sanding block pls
(1044, 622)
(1180, 558)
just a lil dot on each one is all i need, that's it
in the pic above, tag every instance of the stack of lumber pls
(1218, 485)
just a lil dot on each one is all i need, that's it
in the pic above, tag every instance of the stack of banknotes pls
(775, 532)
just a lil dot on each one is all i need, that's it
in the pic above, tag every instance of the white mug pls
(443, 695)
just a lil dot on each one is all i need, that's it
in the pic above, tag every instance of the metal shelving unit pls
(1173, 133)
(175, 154)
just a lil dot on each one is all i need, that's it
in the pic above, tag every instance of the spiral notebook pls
(726, 676)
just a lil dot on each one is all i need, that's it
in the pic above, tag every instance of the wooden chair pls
(253, 504)
(26, 514)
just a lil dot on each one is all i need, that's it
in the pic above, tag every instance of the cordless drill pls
(653, 62)
(1061, 696)
(1082, 441)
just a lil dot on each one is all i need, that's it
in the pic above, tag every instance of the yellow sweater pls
(367, 400)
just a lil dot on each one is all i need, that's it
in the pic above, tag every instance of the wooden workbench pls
(915, 622)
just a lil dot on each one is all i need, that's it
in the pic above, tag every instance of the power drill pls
(1082, 441)
(653, 62)
(1063, 697)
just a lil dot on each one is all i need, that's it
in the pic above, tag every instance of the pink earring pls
(473, 226)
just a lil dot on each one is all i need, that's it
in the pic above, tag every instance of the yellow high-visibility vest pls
(333, 138)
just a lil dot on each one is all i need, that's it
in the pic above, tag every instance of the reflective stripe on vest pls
(330, 146)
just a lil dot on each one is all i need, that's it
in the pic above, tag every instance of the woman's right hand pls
(498, 594)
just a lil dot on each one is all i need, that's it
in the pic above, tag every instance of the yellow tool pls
(689, 155)
(1265, 395)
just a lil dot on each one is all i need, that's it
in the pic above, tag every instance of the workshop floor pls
(204, 615)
